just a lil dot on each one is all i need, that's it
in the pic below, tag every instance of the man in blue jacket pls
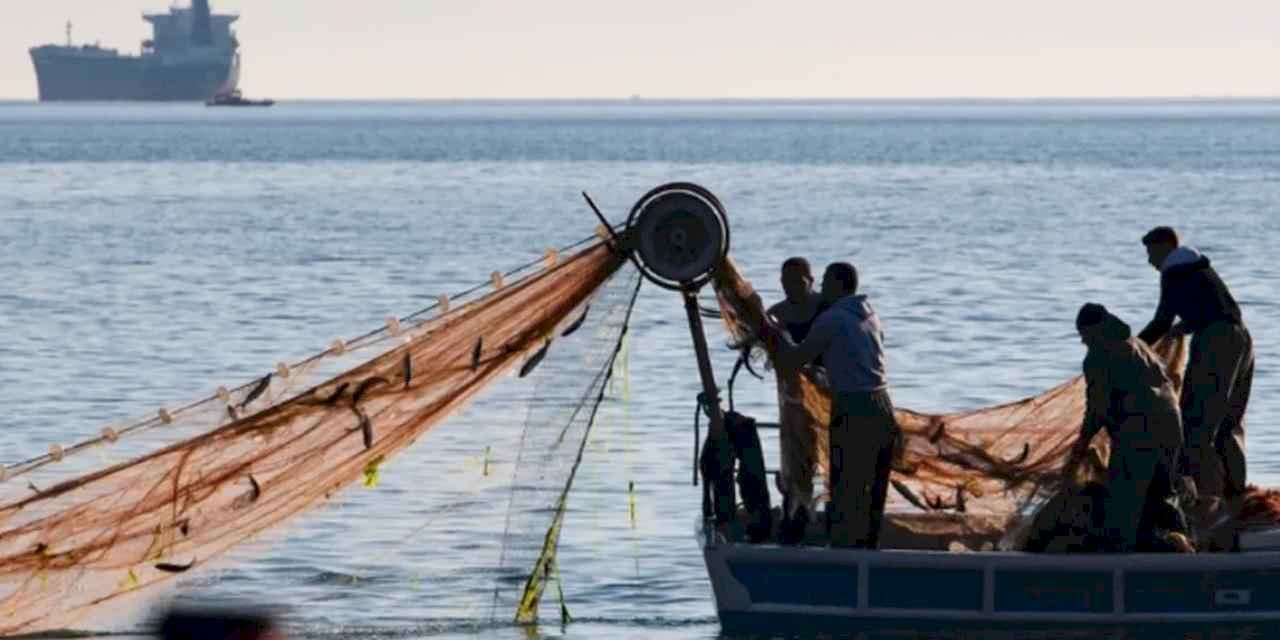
(848, 338)
(1219, 372)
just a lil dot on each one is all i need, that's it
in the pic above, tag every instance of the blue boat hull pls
(765, 586)
(824, 626)
(64, 74)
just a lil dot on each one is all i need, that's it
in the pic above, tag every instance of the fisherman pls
(1219, 373)
(848, 338)
(796, 312)
(1131, 395)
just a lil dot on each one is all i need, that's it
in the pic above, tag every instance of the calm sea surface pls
(150, 253)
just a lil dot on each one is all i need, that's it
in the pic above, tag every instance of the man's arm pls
(790, 356)
(1097, 399)
(1162, 322)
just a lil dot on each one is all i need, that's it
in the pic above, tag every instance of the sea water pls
(150, 253)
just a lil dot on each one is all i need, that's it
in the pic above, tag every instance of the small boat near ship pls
(235, 99)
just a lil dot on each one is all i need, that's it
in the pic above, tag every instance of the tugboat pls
(234, 99)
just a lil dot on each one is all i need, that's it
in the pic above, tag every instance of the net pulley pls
(678, 235)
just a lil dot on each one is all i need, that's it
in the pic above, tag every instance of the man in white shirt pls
(848, 338)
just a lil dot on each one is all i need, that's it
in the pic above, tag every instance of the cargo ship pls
(192, 55)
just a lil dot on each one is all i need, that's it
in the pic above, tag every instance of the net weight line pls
(253, 390)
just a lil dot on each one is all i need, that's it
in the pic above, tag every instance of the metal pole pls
(716, 429)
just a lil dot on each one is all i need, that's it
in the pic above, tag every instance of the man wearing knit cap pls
(1130, 394)
(1219, 372)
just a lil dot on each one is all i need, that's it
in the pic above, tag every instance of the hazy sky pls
(706, 48)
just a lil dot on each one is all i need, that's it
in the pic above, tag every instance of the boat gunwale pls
(936, 558)
(955, 615)
(1008, 560)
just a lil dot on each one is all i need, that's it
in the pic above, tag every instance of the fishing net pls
(562, 411)
(202, 478)
(82, 534)
(997, 463)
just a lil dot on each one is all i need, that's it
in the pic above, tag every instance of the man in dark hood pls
(1130, 394)
(848, 338)
(1219, 372)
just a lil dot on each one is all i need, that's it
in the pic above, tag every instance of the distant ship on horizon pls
(193, 55)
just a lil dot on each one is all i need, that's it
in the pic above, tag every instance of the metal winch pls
(678, 235)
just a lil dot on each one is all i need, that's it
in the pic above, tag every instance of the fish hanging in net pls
(248, 459)
(560, 418)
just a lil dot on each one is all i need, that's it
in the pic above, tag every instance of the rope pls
(532, 594)
(23, 467)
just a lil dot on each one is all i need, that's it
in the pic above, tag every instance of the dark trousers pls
(1137, 479)
(1215, 394)
(863, 434)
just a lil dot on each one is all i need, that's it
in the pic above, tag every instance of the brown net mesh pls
(248, 459)
(999, 460)
(200, 479)
(1260, 508)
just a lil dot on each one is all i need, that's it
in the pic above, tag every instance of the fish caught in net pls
(996, 463)
(562, 411)
(79, 536)
(216, 473)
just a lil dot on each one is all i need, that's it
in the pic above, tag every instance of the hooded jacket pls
(850, 341)
(1190, 289)
(1128, 390)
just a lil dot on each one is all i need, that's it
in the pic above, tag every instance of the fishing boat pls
(769, 586)
(941, 565)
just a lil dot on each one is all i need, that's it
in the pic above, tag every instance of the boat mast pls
(68, 33)
(678, 235)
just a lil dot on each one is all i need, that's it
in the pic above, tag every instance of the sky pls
(369, 49)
